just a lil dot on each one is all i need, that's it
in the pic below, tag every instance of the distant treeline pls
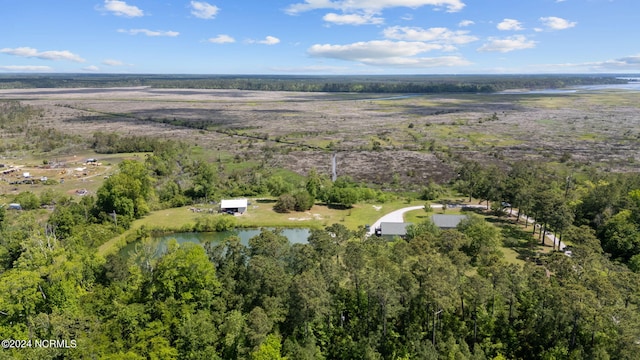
(356, 84)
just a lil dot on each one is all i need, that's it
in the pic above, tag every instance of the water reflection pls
(156, 246)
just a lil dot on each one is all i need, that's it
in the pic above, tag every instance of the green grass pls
(320, 143)
(590, 137)
(477, 138)
(260, 214)
(289, 176)
(418, 216)
(547, 101)
(511, 256)
(614, 98)
(517, 245)
(547, 122)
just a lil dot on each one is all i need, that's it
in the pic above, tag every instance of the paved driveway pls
(393, 217)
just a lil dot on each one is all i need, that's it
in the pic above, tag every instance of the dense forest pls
(436, 294)
(356, 84)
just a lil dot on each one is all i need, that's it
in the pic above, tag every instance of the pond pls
(159, 244)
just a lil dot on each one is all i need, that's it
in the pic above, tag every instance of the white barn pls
(234, 206)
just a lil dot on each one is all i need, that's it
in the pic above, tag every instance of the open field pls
(261, 214)
(379, 139)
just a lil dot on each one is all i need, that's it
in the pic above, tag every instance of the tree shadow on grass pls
(339, 207)
(466, 209)
(499, 221)
(520, 241)
(266, 201)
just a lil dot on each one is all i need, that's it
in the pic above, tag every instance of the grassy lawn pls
(418, 216)
(518, 243)
(261, 214)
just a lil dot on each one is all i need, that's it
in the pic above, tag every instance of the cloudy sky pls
(320, 36)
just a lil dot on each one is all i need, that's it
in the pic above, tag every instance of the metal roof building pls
(236, 205)
(393, 229)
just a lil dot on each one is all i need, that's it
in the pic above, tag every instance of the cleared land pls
(379, 139)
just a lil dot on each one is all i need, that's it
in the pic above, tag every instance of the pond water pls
(159, 244)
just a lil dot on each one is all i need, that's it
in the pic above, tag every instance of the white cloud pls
(511, 43)
(26, 68)
(22, 51)
(353, 19)
(628, 64)
(111, 62)
(371, 49)
(510, 24)
(149, 32)
(387, 53)
(44, 55)
(556, 23)
(269, 40)
(121, 8)
(91, 68)
(204, 10)
(222, 39)
(465, 23)
(438, 35)
(621, 64)
(372, 5)
(422, 62)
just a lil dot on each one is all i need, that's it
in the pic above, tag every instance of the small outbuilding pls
(447, 221)
(392, 229)
(234, 206)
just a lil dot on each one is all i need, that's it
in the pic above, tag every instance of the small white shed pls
(234, 206)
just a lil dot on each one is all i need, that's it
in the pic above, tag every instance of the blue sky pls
(320, 36)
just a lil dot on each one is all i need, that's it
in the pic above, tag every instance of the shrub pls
(431, 192)
(300, 201)
(27, 200)
(215, 223)
(303, 201)
(286, 203)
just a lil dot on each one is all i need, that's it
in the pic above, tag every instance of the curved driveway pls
(397, 216)
(393, 217)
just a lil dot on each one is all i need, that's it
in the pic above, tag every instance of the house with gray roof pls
(392, 229)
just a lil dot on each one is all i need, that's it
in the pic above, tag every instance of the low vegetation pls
(494, 287)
